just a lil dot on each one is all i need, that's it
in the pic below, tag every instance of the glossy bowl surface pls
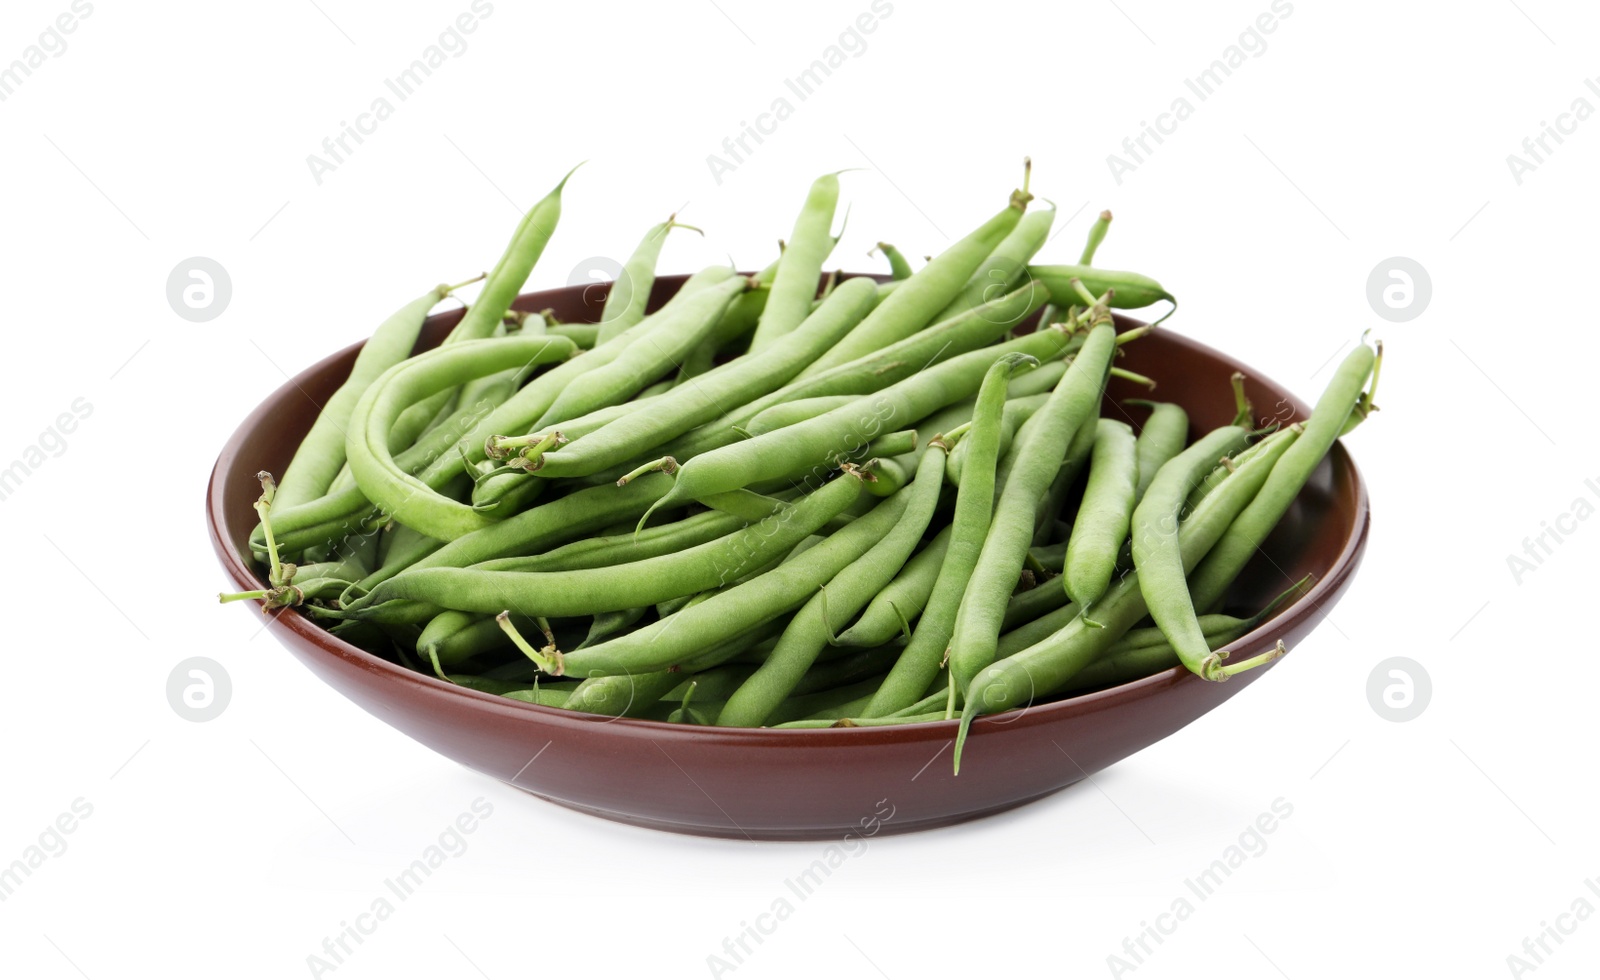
(766, 784)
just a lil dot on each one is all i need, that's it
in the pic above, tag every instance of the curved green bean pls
(891, 611)
(630, 294)
(800, 266)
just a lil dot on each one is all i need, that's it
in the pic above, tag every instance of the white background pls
(1363, 131)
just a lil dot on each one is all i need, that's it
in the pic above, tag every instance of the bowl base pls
(887, 829)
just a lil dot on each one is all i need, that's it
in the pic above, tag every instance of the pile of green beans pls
(768, 504)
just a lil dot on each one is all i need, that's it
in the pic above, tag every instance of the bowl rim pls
(1324, 589)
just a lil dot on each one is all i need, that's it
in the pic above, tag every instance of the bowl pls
(774, 784)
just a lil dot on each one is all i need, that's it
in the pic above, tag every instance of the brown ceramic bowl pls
(769, 784)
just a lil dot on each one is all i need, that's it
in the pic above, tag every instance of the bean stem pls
(548, 660)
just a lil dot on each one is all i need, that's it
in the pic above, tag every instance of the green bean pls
(841, 702)
(543, 696)
(523, 409)
(839, 432)
(320, 456)
(897, 362)
(860, 665)
(1039, 381)
(899, 268)
(1163, 436)
(1055, 498)
(509, 488)
(938, 700)
(648, 357)
(646, 582)
(714, 684)
(408, 546)
(1037, 455)
(494, 388)
(344, 508)
(739, 319)
(795, 285)
(969, 528)
(1143, 652)
(625, 696)
(1017, 411)
(892, 610)
(844, 596)
(1050, 557)
(749, 506)
(609, 624)
(315, 580)
(347, 509)
(666, 607)
(1102, 522)
(1026, 632)
(1224, 562)
(453, 637)
(511, 272)
(639, 694)
(788, 413)
(1097, 234)
(1157, 554)
(1041, 669)
(828, 703)
(914, 304)
(630, 294)
(698, 402)
(1032, 602)
(763, 598)
(1130, 291)
(585, 335)
(1229, 464)
(856, 721)
(1004, 268)
(546, 526)
(893, 444)
(409, 499)
(616, 549)
(527, 324)
(488, 685)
